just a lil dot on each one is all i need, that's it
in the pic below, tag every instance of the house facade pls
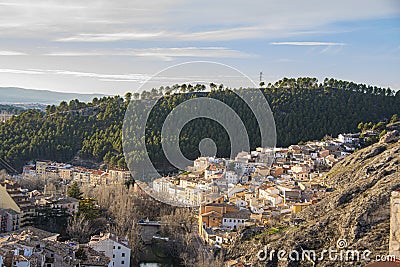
(113, 247)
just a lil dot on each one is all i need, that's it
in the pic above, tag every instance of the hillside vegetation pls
(303, 110)
(11, 109)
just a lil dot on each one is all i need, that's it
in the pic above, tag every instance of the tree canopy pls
(74, 191)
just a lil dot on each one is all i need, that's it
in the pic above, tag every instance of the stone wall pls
(394, 245)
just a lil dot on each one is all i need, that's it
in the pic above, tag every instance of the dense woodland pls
(11, 109)
(303, 110)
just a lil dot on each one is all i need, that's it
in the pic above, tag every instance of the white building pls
(113, 247)
(69, 204)
(348, 138)
(161, 185)
(243, 157)
(231, 177)
(274, 199)
(192, 195)
(313, 154)
(4, 116)
(266, 191)
(241, 203)
(233, 220)
(20, 261)
(201, 164)
(118, 176)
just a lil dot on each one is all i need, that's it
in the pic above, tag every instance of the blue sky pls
(114, 46)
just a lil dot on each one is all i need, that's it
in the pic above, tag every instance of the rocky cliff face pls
(356, 216)
(394, 241)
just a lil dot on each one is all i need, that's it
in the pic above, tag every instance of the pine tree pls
(74, 191)
(394, 118)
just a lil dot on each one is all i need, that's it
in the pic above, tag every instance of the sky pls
(112, 47)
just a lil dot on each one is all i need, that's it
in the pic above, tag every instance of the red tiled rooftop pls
(97, 172)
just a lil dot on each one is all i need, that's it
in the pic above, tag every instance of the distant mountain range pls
(15, 95)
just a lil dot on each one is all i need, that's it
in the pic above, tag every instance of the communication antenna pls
(261, 76)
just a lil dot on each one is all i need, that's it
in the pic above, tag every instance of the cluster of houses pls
(32, 247)
(210, 178)
(262, 193)
(81, 175)
(22, 245)
(16, 207)
(5, 116)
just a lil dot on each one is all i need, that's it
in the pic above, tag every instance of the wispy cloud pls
(229, 33)
(16, 71)
(111, 37)
(11, 53)
(101, 76)
(108, 21)
(308, 43)
(165, 54)
(233, 33)
(98, 42)
(108, 77)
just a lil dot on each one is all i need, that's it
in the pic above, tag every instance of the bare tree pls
(79, 229)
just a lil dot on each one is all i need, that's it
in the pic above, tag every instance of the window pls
(113, 255)
(123, 254)
(122, 262)
(119, 247)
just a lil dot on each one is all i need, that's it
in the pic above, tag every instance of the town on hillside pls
(23, 212)
(4, 116)
(256, 189)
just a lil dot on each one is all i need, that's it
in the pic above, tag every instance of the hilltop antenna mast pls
(261, 76)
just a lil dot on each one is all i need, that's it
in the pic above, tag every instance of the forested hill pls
(303, 110)
(11, 109)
